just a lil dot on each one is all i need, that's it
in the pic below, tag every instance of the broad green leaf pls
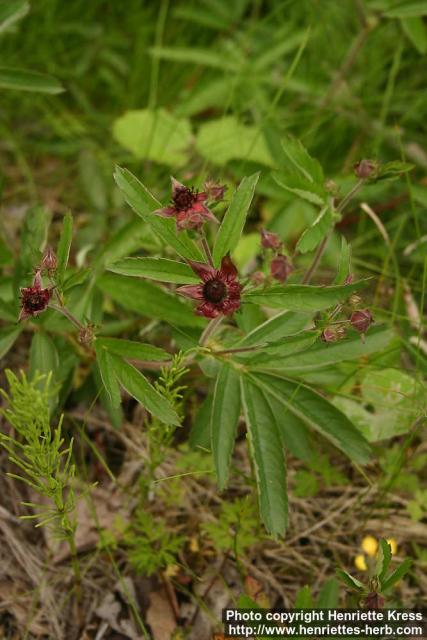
(328, 595)
(159, 269)
(349, 580)
(133, 350)
(108, 376)
(225, 139)
(316, 412)
(144, 203)
(44, 356)
(234, 220)
(300, 160)
(270, 352)
(268, 458)
(64, 246)
(149, 300)
(293, 431)
(11, 11)
(200, 434)
(301, 187)
(23, 80)
(344, 265)
(112, 408)
(135, 383)
(8, 335)
(303, 297)
(316, 232)
(283, 324)
(154, 135)
(394, 577)
(224, 418)
(322, 355)
(383, 560)
(408, 10)
(415, 29)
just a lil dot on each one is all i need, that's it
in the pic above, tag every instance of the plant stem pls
(344, 202)
(75, 564)
(68, 315)
(213, 324)
(207, 249)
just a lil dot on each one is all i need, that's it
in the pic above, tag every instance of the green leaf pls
(159, 269)
(149, 300)
(283, 324)
(8, 335)
(384, 559)
(322, 355)
(292, 429)
(64, 245)
(396, 575)
(225, 139)
(280, 349)
(316, 232)
(200, 434)
(408, 10)
(301, 187)
(300, 161)
(144, 203)
(344, 265)
(415, 29)
(44, 356)
(395, 168)
(154, 135)
(328, 595)
(135, 383)
(303, 297)
(304, 598)
(268, 457)
(224, 418)
(349, 580)
(133, 350)
(316, 412)
(23, 80)
(106, 369)
(196, 55)
(234, 220)
(11, 11)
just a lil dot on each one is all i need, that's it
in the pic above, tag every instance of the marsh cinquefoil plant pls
(253, 334)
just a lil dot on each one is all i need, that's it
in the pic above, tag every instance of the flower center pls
(184, 199)
(35, 302)
(214, 291)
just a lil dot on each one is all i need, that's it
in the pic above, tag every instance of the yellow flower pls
(370, 546)
(393, 545)
(360, 562)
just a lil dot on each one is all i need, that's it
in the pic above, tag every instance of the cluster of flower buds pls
(280, 266)
(366, 169)
(189, 207)
(360, 320)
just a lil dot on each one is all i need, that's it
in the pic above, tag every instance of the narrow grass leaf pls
(12, 11)
(64, 245)
(23, 80)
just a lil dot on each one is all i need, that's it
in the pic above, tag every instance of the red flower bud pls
(49, 260)
(361, 320)
(373, 601)
(366, 169)
(280, 268)
(214, 191)
(333, 334)
(258, 277)
(270, 240)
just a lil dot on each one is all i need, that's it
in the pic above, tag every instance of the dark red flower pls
(34, 299)
(219, 291)
(270, 240)
(280, 268)
(187, 207)
(361, 320)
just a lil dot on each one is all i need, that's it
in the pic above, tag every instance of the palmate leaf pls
(268, 457)
(144, 203)
(315, 411)
(225, 414)
(234, 220)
